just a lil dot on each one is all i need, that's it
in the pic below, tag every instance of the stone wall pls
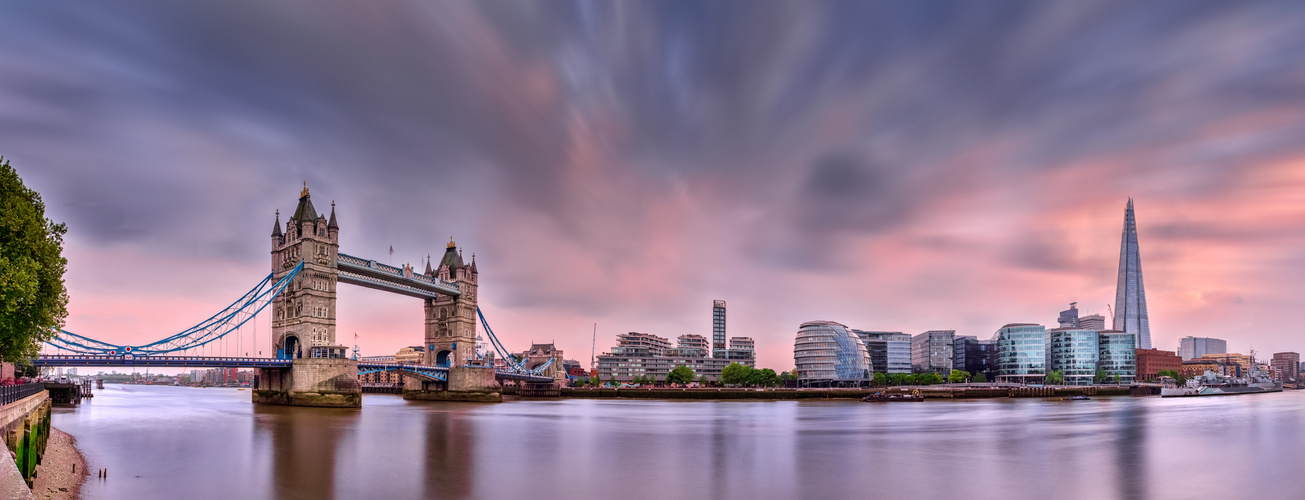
(26, 425)
(311, 382)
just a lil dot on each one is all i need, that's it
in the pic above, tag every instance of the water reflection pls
(192, 443)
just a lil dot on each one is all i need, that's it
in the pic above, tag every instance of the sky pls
(901, 166)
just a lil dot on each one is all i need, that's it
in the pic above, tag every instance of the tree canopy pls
(1055, 377)
(958, 376)
(680, 375)
(33, 301)
(980, 378)
(740, 374)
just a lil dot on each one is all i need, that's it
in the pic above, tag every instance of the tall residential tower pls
(1130, 296)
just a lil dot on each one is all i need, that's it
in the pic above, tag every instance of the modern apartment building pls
(890, 352)
(639, 354)
(718, 328)
(932, 351)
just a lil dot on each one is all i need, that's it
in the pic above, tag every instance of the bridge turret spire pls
(428, 265)
(332, 224)
(276, 227)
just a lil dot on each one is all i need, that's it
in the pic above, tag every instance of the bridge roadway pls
(427, 372)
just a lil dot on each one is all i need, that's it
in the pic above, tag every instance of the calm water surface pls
(176, 442)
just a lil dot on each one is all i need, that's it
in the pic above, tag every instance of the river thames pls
(180, 442)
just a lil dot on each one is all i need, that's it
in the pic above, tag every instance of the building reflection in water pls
(449, 467)
(305, 442)
(1131, 447)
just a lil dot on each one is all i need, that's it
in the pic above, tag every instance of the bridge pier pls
(466, 383)
(325, 382)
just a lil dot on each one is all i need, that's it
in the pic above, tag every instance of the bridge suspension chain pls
(210, 330)
(512, 363)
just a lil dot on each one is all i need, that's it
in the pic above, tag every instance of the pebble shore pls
(55, 478)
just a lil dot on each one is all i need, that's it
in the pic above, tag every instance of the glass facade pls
(931, 351)
(1074, 352)
(1130, 294)
(825, 352)
(976, 356)
(1021, 353)
(890, 352)
(1118, 356)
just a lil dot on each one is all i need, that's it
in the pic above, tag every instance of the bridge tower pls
(304, 314)
(451, 321)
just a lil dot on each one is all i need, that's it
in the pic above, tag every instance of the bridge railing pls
(14, 393)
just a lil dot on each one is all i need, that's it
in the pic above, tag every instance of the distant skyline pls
(889, 166)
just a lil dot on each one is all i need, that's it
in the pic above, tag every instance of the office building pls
(1069, 317)
(1074, 353)
(890, 352)
(1021, 353)
(1094, 322)
(827, 354)
(1286, 366)
(1130, 295)
(970, 354)
(718, 328)
(1195, 347)
(1118, 356)
(1151, 361)
(931, 351)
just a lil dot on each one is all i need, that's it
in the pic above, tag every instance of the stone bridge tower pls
(304, 313)
(451, 321)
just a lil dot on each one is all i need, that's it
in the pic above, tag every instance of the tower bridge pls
(309, 367)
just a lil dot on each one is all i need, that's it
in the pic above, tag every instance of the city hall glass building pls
(828, 354)
(1021, 353)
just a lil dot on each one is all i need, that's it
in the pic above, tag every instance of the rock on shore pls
(55, 478)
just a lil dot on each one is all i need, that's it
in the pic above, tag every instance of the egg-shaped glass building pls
(827, 354)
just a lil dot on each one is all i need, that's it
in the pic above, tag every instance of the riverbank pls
(929, 392)
(55, 477)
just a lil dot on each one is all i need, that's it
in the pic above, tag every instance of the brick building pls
(1151, 361)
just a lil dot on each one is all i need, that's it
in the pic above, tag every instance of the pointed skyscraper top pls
(1130, 294)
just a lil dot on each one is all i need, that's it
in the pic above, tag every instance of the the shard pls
(1130, 296)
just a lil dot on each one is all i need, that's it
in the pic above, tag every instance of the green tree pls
(33, 301)
(980, 378)
(1055, 377)
(1100, 376)
(958, 376)
(680, 375)
(879, 379)
(735, 374)
(768, 377)
(702, 380)
(1115, 378)
(930, 378)
(1179, 378)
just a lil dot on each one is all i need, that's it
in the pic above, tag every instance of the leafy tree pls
(1179, 378)
(980, 378)
(33, 301)
(929, 378)
(735, 374)
(1100, 376)
(1115, 378)
(702, 380)
(1055, 377)
(768, 377)
(958, 376)
(680, 375)
(879, 379)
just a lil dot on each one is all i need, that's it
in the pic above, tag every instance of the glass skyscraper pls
(1118, 357)
(1130, 296)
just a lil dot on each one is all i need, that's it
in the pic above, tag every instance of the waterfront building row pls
(642, 354)
(1027, 352)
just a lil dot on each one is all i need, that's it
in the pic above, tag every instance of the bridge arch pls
(442, 358)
